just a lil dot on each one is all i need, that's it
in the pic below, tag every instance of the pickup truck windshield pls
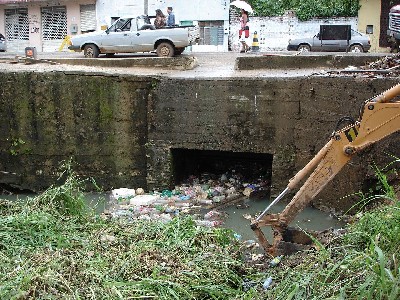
(120, 25)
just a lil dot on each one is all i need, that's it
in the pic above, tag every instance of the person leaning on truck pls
(171, 17)
(159, 21)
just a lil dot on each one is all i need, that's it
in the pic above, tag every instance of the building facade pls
(46, 24)
(373, 19)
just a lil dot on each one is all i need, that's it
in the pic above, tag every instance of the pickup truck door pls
(144, 40)
(119, 37)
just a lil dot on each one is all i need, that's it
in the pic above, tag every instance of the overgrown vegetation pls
(306, 9)
(54, 247)
(361, 264)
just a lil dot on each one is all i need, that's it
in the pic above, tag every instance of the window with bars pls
(211, 32)
(17, 24)
(54, 23)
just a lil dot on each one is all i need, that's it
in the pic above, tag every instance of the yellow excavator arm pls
(379, 117)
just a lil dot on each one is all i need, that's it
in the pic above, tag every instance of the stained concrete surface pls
(288, 113)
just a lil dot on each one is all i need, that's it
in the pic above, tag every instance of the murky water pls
(234, 215)
(309, 218)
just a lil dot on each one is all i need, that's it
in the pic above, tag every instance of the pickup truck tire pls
(91, 51)
(356, 48)
(165, 49)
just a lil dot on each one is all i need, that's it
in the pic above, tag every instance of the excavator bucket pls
(286, 241)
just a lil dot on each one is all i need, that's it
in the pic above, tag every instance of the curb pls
(279, 61)
(171, 63)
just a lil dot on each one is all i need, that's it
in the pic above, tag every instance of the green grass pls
(54, 247)
(46, 256)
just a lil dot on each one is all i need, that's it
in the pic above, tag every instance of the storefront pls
(44, 24)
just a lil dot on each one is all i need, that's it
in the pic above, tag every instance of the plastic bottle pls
(267, 283)
(237, 236)
(275, 261)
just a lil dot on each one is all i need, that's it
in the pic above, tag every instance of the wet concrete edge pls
(277, 61)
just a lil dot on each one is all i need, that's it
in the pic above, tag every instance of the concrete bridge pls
(128, 123)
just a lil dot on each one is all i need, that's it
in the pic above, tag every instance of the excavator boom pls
(379, 117)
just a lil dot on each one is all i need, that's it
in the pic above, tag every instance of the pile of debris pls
(385, 66)
(386, 63)
(199, 196)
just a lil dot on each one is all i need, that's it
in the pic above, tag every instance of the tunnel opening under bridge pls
(212, 165)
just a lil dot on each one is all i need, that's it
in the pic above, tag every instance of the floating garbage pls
(212, 214)
(143, 200)
(139, 191)
(237, 236)
(205, 191)
(208, 223)
(122, 195)
(275, 261)
(267, 283)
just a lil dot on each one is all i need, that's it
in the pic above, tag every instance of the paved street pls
(216, 65)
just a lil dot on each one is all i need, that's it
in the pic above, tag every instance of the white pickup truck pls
(135, 34)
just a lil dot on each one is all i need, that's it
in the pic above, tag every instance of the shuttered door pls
(17, 29)
(88, 18)
(54, 27)
(211, 33)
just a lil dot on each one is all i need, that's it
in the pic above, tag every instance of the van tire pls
(356, 48)
(304, 48)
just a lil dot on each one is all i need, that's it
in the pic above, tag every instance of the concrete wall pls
(288, 118)
(120, 129)
(274, 32)
(194, 10)
(100, 121)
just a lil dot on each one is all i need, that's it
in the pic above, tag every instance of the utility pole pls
(146, 7)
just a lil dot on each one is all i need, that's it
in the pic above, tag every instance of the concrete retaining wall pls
(279, 61)
(288, 118)
(100, 121)
(120, 129)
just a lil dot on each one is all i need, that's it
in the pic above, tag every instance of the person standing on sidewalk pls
(171, 17)
(244, 29)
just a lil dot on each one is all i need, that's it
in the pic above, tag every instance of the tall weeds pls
(361, 264)
(52, 247)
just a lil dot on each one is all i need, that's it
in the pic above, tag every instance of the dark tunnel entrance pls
(251, 167)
